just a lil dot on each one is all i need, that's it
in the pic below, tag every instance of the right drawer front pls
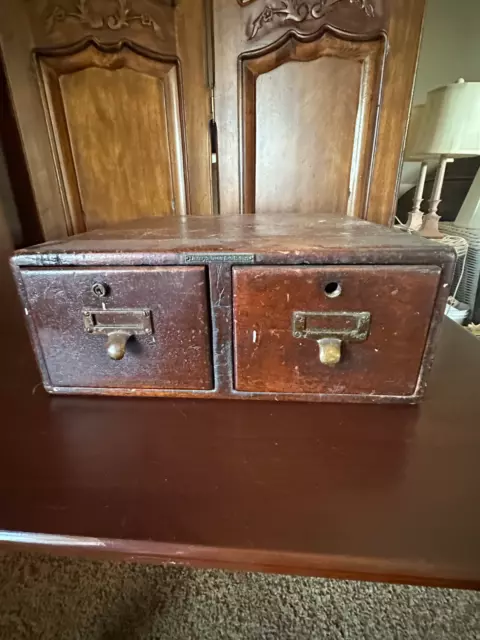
(282, 316)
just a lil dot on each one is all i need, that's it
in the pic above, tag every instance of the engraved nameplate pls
(205, 258)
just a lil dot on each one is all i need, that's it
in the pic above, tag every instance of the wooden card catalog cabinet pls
(312, 99)
(113, 106)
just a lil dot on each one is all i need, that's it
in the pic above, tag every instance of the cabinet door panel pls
(312, 146)
(311, 103)
(118, 136)
(115, 118)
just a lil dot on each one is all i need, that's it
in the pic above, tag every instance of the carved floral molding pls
(122, 18)
(284, 12)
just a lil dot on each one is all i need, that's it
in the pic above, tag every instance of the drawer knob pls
(117, 344)
(330, 351)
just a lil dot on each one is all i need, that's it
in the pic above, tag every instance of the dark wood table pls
(385, 493)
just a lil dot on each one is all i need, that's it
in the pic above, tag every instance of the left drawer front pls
(158, 316)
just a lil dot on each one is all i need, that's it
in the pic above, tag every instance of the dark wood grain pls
(405, 301)
(32, 140)
(295, 238)
(366, 492)
(268, 357)
(175, 356)
(19, 190)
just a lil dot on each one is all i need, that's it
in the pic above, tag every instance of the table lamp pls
(449, 128)
(413, 154)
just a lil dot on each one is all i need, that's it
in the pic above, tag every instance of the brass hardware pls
(330, 351)
(99, 290)
(344, 325)
(119, 325)
(117, 344)
(330, 329)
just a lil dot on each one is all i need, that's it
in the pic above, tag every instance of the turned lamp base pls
(430, 223)
(430, 226)
(415, 217)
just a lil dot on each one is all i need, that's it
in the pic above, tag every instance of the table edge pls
(421, 573)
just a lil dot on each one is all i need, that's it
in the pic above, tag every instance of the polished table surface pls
(372, 492)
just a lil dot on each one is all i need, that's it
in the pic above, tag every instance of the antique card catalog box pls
(283, 307)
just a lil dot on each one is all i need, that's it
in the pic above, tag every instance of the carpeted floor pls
(68, 599)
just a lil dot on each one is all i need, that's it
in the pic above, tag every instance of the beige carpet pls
(68, 599)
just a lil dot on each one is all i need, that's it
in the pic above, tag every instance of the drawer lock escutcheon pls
(331, 329)
(119, 325)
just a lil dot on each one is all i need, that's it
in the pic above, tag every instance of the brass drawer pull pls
(117, 344)
(330, 351)
(330, 329)
(119, 325)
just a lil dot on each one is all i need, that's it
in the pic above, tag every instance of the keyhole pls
(99, 290)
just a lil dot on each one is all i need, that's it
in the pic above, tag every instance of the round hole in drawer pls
(332, 289)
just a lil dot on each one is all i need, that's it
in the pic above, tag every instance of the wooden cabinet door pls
(312, 101)
(113, 107)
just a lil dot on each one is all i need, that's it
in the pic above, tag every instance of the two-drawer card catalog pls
(284, 307)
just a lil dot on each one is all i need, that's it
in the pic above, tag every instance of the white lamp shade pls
(450, 125)
(412, 151)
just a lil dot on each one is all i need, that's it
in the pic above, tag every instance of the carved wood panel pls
(316, 118)
(123, 17)
(307, 15)
(114, 113)
(150, 24)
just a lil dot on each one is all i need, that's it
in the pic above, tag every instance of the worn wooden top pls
(293, 237)
(372, 492)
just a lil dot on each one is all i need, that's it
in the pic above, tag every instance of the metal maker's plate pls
(205, 258)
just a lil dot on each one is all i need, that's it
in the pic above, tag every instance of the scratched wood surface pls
(176, 356)
(405, 301)
(289, 237)
(268, 357)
